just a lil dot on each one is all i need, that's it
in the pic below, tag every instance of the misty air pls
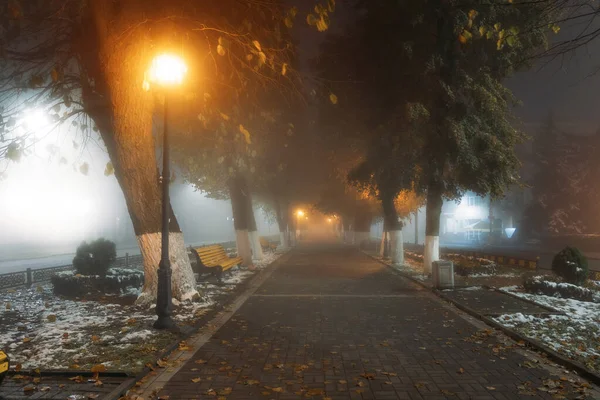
(293, 199)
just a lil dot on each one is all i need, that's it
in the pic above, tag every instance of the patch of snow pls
(137, 336)
(488, 275)
(574, 334)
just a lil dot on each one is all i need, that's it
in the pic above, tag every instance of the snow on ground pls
(575, 334)
(267, 259)
(41, 330)
(488, 275)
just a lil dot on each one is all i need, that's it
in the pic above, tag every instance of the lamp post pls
(166, 72)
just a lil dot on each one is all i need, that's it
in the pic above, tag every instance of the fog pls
(48, 206)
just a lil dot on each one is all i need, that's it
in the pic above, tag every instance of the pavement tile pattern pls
(331, 323)
(59, 387)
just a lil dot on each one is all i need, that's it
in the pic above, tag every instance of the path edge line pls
(579, 368)
(252, 286)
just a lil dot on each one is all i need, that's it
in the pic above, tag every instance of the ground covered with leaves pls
(576, 334)
(40, 330)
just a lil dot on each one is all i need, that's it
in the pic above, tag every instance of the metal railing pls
(31, 276)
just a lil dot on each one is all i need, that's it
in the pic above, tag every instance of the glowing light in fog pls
(34, 120)
(510, 232)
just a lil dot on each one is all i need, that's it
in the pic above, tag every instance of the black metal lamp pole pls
(164, 295)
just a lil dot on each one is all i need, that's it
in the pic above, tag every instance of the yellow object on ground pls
(3, 365)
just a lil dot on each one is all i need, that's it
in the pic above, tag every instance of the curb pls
(579, 368)
(128, 384)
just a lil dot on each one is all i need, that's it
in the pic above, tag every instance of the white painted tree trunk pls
(244, 249)
(360, 237)
(351, 237)
(432, 252)
(397, 250)
(283, 242)
(257, 253)
(183, 282)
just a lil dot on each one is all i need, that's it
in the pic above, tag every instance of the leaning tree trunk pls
(432, 226)
(239, 209)
(123, 113)
(394, 226)
(253, 235)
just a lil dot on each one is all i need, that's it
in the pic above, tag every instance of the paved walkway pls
(331, 323)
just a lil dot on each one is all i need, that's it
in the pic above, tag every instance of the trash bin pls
(3, 365)
(442, 274)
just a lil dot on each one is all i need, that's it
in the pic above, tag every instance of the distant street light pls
(166, 72)
(299, 214)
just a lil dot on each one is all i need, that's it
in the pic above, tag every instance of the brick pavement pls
(58, 387)
(331, 323)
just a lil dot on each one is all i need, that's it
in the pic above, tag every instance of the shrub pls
(94, 258)
(571, 265)
(466, 266)
(116, 281)
(545, 285)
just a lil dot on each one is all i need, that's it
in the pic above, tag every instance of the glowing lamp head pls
(329, 220)
(167, 70)
(300, 213)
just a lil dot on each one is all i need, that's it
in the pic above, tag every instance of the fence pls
(31, 276)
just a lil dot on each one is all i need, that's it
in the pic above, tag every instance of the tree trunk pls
(383, 243)
(254, 237)
(122, 112)
(384, 246)
(394, 226)
(282, 224)
(362, 226)
(239, 209)
(417, 227)
(432, 226)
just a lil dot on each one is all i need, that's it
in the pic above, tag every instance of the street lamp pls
(166, 72)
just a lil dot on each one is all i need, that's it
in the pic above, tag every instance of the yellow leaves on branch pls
(284, 69)
(333, 98)
(321, 17)
(222, 46)
(289, 18)
(246, 134)
(465, 36)
(109, 169)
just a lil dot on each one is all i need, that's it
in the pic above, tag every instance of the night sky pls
(566, 86)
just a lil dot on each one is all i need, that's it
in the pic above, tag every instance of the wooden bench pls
(266, 245)
(4, 364)
(212, 259)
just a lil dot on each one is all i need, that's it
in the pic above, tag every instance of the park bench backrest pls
(211, 255)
